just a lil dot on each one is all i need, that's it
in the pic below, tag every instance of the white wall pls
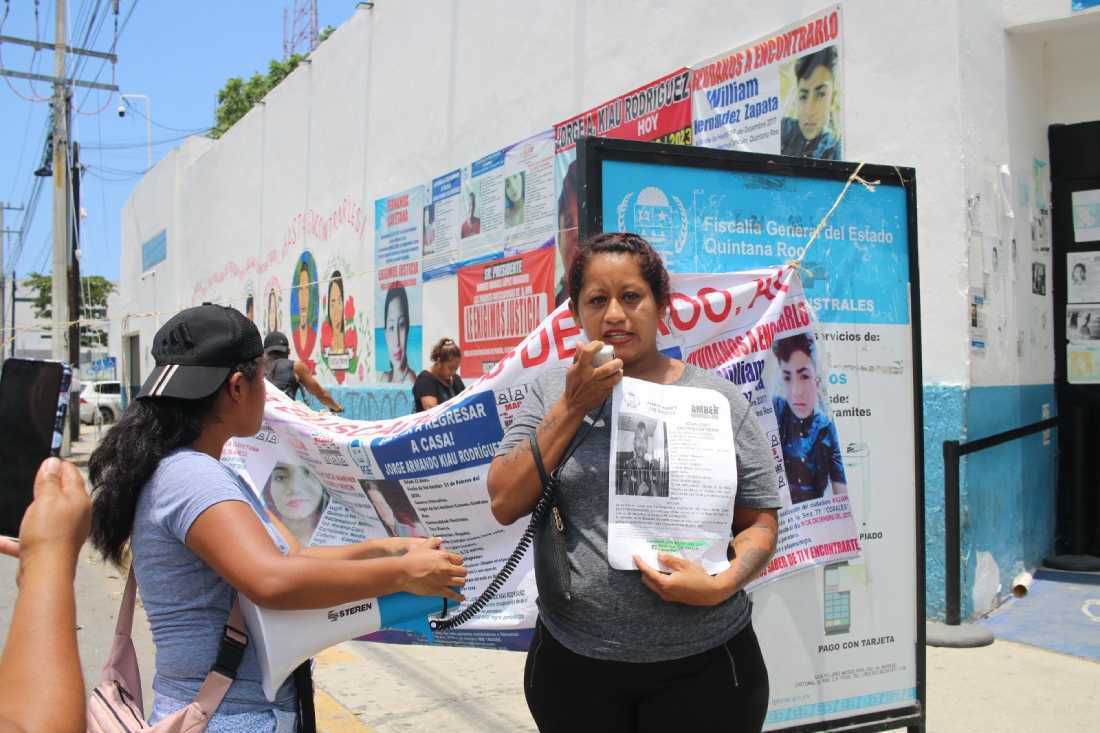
(1015, 81)
(408, 90)
(1071, 61)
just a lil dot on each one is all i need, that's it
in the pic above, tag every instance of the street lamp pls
(148, 122)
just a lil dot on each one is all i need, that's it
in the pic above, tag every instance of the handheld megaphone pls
(285, 639)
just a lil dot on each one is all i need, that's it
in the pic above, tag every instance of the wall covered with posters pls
(345, 209)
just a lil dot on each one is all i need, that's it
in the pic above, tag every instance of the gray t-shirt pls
(610, 614)
(187, 603)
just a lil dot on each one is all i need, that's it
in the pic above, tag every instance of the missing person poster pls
(397, 307)
(833, 389)
(673, 475)
(778, 94)
(442, 217)
(499, 303)
(657, 112)
(530, 210)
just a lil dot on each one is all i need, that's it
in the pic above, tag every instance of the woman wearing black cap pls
(198, 534)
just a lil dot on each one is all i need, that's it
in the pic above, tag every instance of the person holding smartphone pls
(43, 624)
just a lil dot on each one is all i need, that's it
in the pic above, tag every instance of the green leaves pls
(238, 96)
(94, 290)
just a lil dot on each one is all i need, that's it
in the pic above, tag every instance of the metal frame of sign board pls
(593, 152)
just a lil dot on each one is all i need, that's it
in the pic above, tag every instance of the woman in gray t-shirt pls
(668, 648)
(198, 534)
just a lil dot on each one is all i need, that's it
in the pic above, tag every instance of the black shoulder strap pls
(536, 453)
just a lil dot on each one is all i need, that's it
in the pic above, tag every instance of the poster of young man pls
(499, 303)
(397, 246)
(778, 94)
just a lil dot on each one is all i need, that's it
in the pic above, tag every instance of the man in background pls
(289, 375)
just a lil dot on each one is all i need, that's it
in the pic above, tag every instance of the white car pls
(100, 402)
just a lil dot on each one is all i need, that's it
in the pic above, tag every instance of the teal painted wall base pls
(369, 403)
(1008, 492)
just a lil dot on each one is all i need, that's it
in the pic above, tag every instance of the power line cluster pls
(87, 30)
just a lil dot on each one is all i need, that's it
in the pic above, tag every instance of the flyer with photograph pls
(673, 475)
(1084, 277)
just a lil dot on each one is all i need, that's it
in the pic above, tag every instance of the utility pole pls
(63, 225)
(74, 299)
(62, 228)
(4, 335)
(59, 302)
(13, 287)
(3, 239)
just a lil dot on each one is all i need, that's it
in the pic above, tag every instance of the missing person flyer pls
(673, 475)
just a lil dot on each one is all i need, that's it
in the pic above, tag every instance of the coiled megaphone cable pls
(549, 484)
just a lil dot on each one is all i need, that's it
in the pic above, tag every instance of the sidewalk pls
(82, 449)
(1003, 687)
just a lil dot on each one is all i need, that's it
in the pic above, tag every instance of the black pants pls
(722, 689)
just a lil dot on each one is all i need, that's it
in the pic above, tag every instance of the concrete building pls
(961, 90)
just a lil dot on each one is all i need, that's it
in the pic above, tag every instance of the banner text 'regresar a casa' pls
(424, 474)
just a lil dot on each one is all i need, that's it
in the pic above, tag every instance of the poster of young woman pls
(273, 309)
(342, 325)
(398, 229)
(304, 308)
(778, 94)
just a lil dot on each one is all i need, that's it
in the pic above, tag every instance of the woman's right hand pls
(434, 571)
(586, 386)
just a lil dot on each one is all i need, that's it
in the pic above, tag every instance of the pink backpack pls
(116, 705)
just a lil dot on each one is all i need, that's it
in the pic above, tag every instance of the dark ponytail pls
(128, 455)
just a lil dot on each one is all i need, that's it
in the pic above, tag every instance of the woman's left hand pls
(687, 583)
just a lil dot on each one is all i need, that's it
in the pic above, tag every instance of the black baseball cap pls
(197, 349)
(276, 342)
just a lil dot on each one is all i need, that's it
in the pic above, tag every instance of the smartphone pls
(34, 399)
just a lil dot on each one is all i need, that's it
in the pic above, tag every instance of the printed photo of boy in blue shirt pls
(811, 449)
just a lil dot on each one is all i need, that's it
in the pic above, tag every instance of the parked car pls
(100, 402)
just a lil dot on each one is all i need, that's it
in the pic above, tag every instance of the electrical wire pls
(142, 144)
(192, 131)
(119, 29)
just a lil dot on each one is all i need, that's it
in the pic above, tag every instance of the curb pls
(961, 636)
(332, 715)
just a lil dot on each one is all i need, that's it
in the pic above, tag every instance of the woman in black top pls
(441, 382)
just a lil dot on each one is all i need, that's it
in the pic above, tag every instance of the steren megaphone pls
(285, 639)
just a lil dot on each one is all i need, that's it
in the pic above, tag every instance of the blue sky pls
(179, 54)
